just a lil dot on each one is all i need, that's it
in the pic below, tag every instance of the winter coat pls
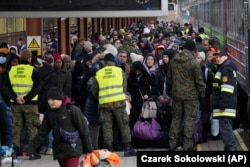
(224, 96)
(162, 80)
(185, 77)
(6, 124)
(146, 85)
(91, 109)
(147, 47)
(65, 81)
(68, 121)
(49, 79)
(77, 90)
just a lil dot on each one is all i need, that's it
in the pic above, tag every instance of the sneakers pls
(46, 150)
(179, 148)
(34, 156)
(49, 151)
(43, 150)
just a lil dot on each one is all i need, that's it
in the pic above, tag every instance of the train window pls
(170, 7)
(172, 1)
(3, 26)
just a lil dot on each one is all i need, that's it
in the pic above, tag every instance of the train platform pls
(210, 145)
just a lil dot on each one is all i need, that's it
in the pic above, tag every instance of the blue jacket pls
(6, 124)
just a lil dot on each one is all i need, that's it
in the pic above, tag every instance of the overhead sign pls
(34, 42)
(80, 5)
(85, 9)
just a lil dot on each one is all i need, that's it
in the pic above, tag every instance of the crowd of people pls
(181, 69)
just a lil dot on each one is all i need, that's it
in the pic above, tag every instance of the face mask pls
(2, 60)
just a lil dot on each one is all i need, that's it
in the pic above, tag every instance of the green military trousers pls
(120, 115)
(183, 116)
(28, 116)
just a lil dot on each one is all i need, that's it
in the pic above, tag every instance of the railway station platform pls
(210, 145)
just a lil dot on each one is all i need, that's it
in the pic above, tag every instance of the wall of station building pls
(14, 28)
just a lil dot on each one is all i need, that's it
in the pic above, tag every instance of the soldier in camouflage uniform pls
(188, 87)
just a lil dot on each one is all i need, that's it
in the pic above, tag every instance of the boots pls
(108, 147)
(34, 156)
(117, 147)
(230, 149)
(16, 152)
(129, 151)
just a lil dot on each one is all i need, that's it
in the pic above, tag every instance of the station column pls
(83, 27)
(63, 36)
(34, 27)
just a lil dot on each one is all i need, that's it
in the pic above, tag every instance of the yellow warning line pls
(239, 139)
(199, 147)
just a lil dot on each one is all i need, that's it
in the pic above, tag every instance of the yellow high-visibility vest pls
(21, 79)
(203, 36)
(110, 81)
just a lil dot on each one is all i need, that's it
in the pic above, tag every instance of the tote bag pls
(149, 109)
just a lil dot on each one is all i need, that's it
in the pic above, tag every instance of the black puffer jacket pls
(69, 121)
(49, 78)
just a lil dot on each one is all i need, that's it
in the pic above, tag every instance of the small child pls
(70, 131)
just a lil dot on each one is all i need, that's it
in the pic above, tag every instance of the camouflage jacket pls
(185, 77)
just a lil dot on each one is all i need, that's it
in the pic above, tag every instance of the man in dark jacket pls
(21, 88)
(49, 78)
(187, 83)
(224, 98)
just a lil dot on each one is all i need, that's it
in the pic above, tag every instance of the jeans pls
(48, 141)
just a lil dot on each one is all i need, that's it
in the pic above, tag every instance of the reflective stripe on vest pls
(217, 75)
(227, 88)
(110, 81)
(21, 79)
(217, 113)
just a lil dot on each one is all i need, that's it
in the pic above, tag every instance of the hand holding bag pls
(149, 109)
(147, 130)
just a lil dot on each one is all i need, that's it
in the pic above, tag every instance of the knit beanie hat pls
(111, 49)
(202, 55)
(57, 56)
(105, 41)
(109, 57)
(190, 45)
(135, 57)
(55, 93)
(87, 44)
(47, 58)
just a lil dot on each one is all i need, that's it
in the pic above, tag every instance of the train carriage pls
(227, 21)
